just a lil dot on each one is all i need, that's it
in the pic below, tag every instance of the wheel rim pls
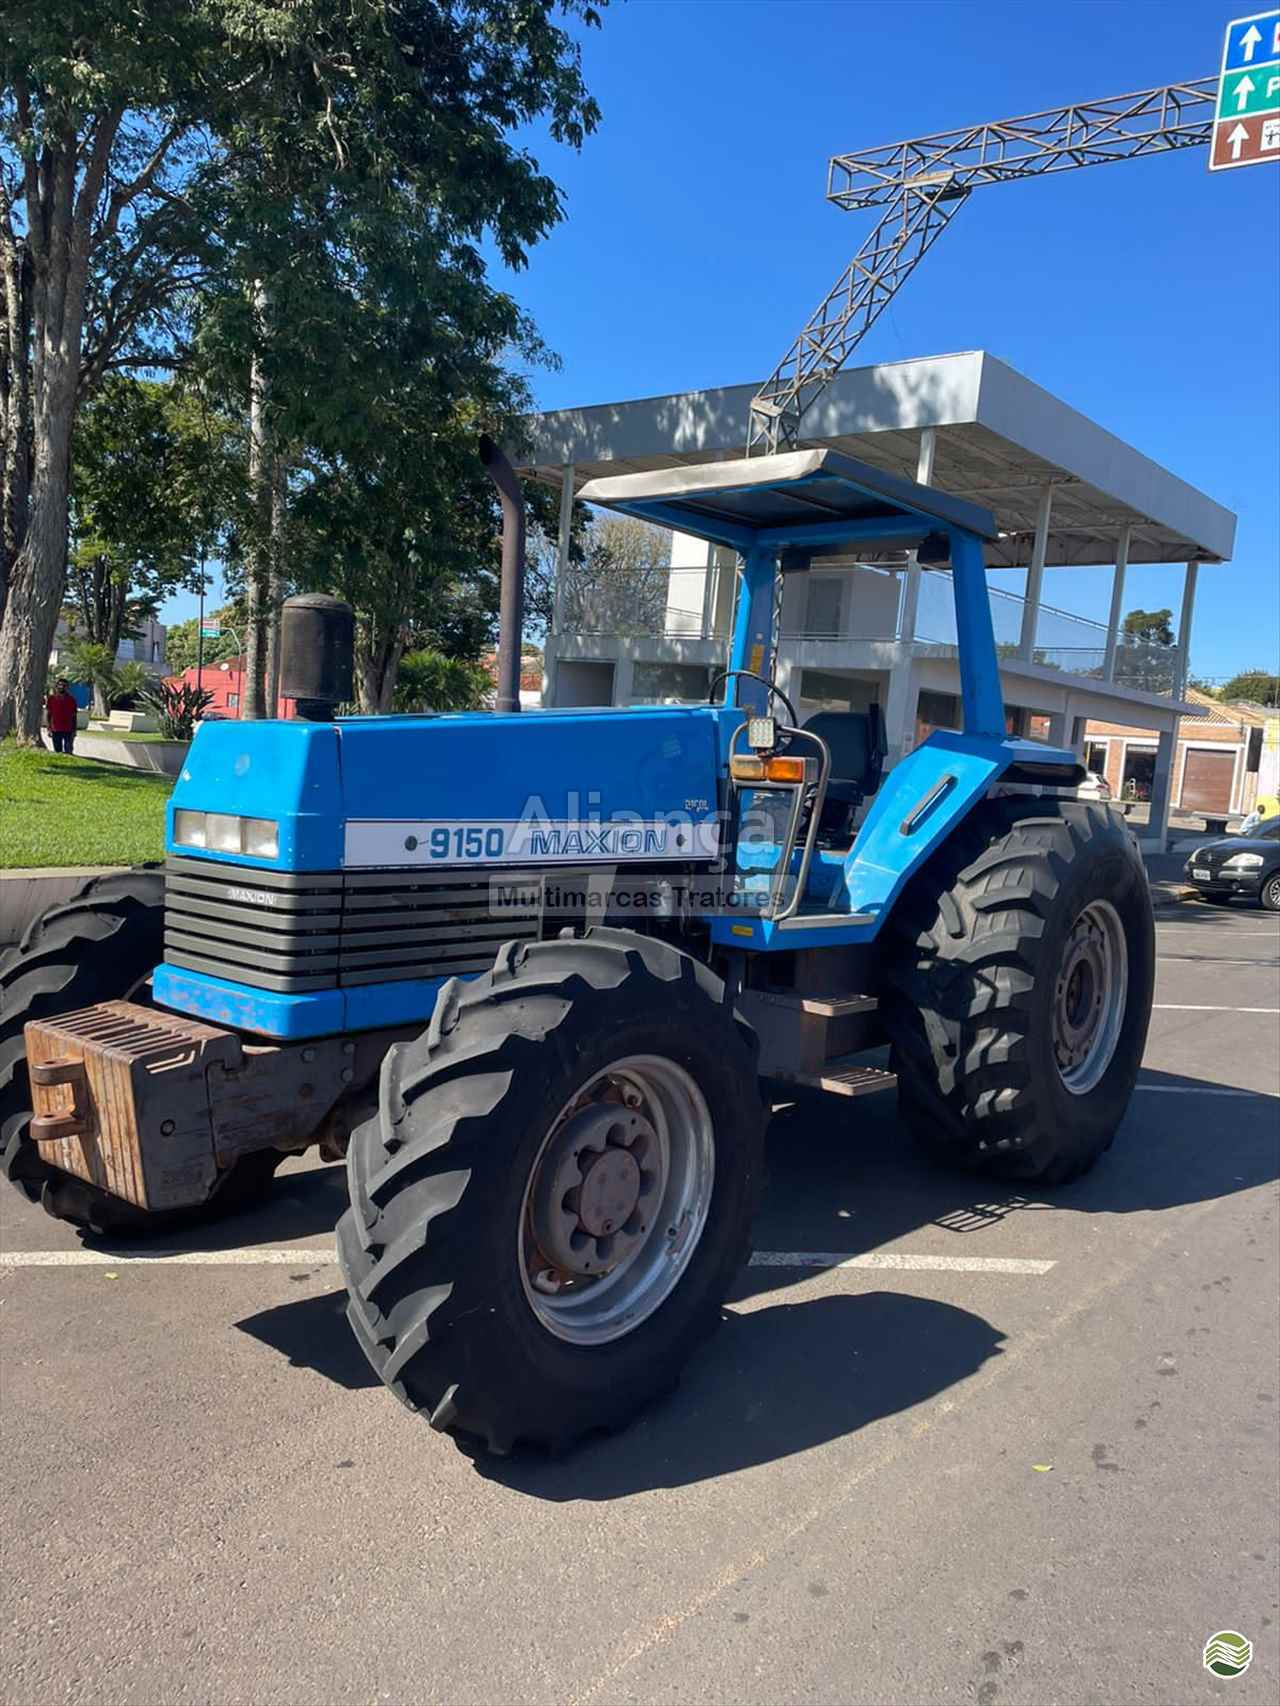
(1273, 893)
(617, 1200)
(1089, 997)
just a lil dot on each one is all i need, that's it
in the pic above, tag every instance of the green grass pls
(73, 811)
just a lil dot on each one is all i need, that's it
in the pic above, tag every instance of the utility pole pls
(200, 627)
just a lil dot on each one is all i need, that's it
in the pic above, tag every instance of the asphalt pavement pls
(1014, 1450)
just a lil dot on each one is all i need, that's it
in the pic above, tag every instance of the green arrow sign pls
(1255, 90)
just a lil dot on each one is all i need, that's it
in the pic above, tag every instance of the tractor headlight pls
(261, 837)
(1243, 862)
(222, 832)
(188, 829)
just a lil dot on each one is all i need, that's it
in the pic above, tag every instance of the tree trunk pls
(59, 223)
(15, 409)
(275, 586)
(378, 653)
(258, 577)
(39, 571)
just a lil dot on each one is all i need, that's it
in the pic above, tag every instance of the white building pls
(146, 648)
(1064, 492)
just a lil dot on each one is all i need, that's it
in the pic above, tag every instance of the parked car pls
(1234, 865)
(1094, 787)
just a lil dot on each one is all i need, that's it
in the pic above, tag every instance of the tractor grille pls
(295, 931)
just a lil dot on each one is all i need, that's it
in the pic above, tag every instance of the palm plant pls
(87, 660)
(177, 705)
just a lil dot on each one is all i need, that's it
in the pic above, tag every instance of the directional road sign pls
(1246, 126)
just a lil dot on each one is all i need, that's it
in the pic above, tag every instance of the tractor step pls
(831, 1006)
(846, 1077)
(823, 921)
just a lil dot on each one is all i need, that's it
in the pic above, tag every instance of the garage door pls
(1206, 781)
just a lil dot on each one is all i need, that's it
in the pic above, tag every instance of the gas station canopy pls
(999, 441)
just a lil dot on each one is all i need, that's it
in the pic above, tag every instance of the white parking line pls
(901, 1261)
(1200, 1090)
(1232, 931)
(1177, 1007)
(245, 1258)
(1213, 960)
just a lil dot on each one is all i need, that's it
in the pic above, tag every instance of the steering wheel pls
(777, 692)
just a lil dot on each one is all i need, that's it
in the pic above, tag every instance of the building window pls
(824, 690)
(1095, 757)
(936, 711)
(233, 699)
(1139, 772)
(824, 607)
(669, 684)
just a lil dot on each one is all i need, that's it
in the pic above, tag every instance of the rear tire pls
(1019, 989)
(443, 1239)
(101, 945)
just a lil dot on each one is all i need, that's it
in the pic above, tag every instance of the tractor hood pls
(467, 789)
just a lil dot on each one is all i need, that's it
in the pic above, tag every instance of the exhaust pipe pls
(511, 595)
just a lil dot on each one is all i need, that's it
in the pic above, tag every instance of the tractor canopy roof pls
(795, 498)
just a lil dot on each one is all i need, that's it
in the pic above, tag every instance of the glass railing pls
(651, 607)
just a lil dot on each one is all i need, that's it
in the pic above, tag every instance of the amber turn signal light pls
(746, 767)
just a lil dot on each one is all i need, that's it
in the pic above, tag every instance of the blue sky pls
(697, 239)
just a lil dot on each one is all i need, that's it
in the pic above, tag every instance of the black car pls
(1239, 864)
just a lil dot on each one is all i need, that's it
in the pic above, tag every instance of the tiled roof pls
(1235, 716)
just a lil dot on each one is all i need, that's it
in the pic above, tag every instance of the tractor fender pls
(925, 798)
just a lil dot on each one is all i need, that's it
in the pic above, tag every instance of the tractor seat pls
(856, 743)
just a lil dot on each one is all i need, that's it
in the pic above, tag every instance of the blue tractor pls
(538, 975)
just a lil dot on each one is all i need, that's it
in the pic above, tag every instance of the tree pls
(154, 478)
(1256, 686)
(428, 681)
(1145, 658)
(1148, 628)
(181, 642)
(101, 106)
(152, 148)
(622, 585)
(352, 304)
(90, 661)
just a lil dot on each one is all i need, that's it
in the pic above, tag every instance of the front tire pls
(1270, 894)
(1020, 987)
(557, 1192)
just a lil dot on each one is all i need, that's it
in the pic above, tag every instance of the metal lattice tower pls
(922, 184)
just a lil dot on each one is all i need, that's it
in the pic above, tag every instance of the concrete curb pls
(25, 894)
(160, 757)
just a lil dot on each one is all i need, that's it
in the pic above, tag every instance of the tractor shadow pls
(845, 1177)
(305, 1201)
(777, 1379)
(313, 1333)
(783, 1376)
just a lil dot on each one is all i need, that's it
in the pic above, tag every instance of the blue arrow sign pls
(1252, 41)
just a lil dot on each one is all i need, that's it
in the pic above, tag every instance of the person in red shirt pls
(60, 709)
